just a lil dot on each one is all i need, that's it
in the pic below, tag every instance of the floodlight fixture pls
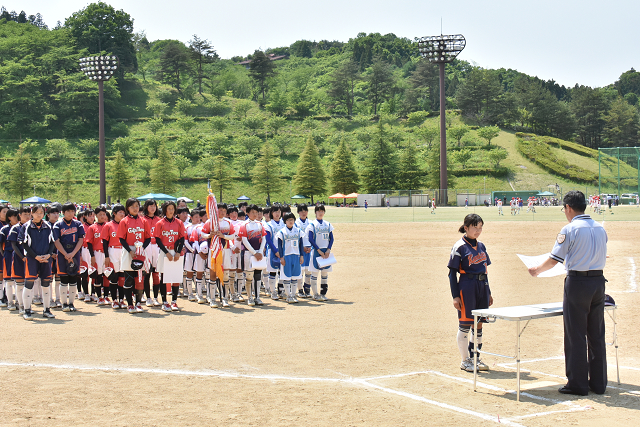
(100, 68)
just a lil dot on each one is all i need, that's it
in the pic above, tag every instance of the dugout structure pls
(619, 170)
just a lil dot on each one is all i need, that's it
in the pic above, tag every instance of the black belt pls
(476, 276)
(590, 273)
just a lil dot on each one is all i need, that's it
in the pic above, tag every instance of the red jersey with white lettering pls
(95, 236)
(86, 234)
(169, 231)
(133, 230)
(152, 225)
(110, 233)
(225, 228)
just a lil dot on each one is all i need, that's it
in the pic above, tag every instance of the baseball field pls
(381, 351)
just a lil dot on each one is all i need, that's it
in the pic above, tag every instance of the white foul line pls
(352, 381)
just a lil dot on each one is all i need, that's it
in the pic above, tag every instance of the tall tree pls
(20, 169)
(621, 128)
(589, 106)
(380, 165)
(217, 169)
(174, 63)
(267, 173)
(100, 28)
(488, 133)
(344, 177)
(479, 95)
(121, 180)
(310, 179)
(410, 174)
(203, 53)
(66, 189)
(380, 83)
(163, 173)
(261, 69)
(342, 84)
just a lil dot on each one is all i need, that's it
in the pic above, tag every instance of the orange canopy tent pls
(337, 196)
(351, 195)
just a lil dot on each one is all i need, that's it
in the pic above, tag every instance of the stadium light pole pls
(442, 50)
(100, 68)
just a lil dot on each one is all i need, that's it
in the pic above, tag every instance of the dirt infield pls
(382, 351)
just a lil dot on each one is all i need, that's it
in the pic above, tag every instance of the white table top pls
(524, 312)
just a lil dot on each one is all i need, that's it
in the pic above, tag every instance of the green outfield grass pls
(456, 214)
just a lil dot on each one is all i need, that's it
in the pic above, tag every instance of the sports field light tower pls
(441, 50)
(100, 68)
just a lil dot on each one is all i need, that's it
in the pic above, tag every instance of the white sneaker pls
(251, 302)
(192, 298)
(139, 308)
(240, 298)
(202, 300)
(482, 366)
(317, 298)
(258, 301)
(467, 365)
(80, 295)
(225, 303)
(213, 304)
(324, 298)
(274, 296)
(295, 299)
(174, 306)
(166, 307)
(3, 304)
(149, 302)
(37, 301)
(87, 298)
(11, 307)
(155, 302)
(290, 300)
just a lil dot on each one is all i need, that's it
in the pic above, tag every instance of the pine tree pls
(310, 179)
(20, 173)
(120, 182)
(261, 69)
(380, 165)
(266, 174)
(410, 174)
(67, 184)
(344, 177)
(163, 173)
(433, 169)
(220, 173)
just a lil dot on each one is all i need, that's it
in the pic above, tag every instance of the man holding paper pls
(582, 246)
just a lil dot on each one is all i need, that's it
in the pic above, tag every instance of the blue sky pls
(570, 41)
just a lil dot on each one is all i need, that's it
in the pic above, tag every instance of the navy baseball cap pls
(608, 300)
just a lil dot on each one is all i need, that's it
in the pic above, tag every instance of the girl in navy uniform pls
(7, 258)
(471, 291)
(68, 234)
(37, 242)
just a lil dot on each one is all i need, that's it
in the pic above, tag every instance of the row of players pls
(35, 247)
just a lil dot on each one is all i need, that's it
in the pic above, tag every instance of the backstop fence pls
(619, 172)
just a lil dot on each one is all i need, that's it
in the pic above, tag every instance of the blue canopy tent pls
(243, 198)
(157, 196)
(4, 201)
(33, 200)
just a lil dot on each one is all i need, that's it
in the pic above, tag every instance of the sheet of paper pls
(172, 270)
(326, 262)
(534, 261)
(258, 265)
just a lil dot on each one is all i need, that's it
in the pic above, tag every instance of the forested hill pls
(186, 99)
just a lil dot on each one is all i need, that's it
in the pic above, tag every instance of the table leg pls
(518, 359)
(475, 351)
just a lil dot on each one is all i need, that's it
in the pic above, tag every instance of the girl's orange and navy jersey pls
(4, 234)
(254, 232)
(169, 231)
(94, 236)
(68, 233)
(467, 258)
(110, 233)
(153, 221)
(133, 229)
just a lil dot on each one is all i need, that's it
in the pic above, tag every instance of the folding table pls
(528, 313)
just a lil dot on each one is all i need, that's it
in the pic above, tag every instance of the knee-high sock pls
(240, 283)
(147, 284)
(307, 281)
(2, 288)
(46, 296)
(37, 290)
(128, 292)
(139, 295)
(287, 288)
(323, 283)
(199, 287)
(19, 291)
(27, 297)
(249, 283)
(72, 292)
(471, 342)
(232, 284)
(463, 342)
(258, 281)
(273, 284)
(78, 284)
(64, 293)
(314, 284)
(265, 280)
(299, 282)
(58, 290)
(9, 290)
(163, 291)
(174, 292)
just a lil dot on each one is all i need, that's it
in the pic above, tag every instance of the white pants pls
(114, 256)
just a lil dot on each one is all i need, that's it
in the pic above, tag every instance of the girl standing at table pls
(471, 291)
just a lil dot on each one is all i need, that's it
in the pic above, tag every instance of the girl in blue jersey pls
(320, 234)
(470, 291)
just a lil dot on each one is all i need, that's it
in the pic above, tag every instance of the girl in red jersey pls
(170, 234)
(88, 218)
(113, 254)
(150, 214)
(134, 235)
(96, 250)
